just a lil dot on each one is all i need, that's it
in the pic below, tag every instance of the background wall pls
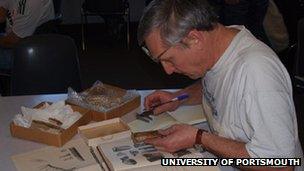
(71, 11)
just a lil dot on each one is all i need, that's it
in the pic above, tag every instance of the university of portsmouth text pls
(231, 161)
(268, 162)
(189, 161)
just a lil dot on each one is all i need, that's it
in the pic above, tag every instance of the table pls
(9, 107)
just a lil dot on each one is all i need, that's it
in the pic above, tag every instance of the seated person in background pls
(22, 18)
(244, 89)
(250, 13)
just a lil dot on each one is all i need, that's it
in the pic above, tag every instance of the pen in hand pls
(145, 115)
(178, 98)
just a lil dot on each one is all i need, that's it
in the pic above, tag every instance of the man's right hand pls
(158, 97)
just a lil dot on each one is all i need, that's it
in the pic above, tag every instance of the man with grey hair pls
(244, 89)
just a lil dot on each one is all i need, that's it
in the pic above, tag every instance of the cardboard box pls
(104, 131)
(119, 111)
(51, 138)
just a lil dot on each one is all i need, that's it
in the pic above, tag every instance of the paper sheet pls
(72, 156)
(189, 114)
(184, 114)
(115, 158)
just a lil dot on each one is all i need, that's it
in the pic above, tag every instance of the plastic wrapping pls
(101, 97)
(56, 115)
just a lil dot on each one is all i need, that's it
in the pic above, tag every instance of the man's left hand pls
(175, 138)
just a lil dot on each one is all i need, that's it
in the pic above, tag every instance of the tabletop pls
(9, 107)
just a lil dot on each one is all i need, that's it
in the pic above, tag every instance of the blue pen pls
(145, 115)
(178, 98)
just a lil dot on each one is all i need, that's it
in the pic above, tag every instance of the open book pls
(184, 114)
(123, 154)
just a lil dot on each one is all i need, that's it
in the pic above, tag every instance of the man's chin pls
(191, 76)
(194, 77)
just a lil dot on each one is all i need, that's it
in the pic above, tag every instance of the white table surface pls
(9, 107)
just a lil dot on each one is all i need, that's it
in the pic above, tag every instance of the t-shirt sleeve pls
(272, 126)
(268, 110)
(25, 21)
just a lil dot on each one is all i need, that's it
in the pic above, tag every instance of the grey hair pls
(175, 19)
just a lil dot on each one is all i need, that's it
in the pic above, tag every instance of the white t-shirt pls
(24, 16)
(248, 97)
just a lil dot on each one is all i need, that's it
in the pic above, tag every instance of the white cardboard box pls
(104, 131)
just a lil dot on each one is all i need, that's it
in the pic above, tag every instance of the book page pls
(189, 114)
(123, 154)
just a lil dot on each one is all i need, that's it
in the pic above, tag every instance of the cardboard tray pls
(104, 131)
(50, 138)
(116, 112)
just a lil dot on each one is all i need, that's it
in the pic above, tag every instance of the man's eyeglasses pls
(155, 59)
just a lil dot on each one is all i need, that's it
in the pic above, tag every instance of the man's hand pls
(195, 97)
(161, 97)
(232, 2)
(175, 138)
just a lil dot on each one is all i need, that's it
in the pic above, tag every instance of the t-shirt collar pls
(222, 60)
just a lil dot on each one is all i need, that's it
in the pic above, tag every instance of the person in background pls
(22, 17)
(249, 13)
(244, 89)
(275, 28)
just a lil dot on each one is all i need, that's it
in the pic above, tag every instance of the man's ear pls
(194, 39)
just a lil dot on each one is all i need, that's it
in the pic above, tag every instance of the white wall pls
(71, 11)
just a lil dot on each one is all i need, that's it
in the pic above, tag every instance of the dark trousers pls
(6, 59)
(6, 62)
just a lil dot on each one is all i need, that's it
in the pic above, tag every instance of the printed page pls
(72, 156)
(123, 154)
